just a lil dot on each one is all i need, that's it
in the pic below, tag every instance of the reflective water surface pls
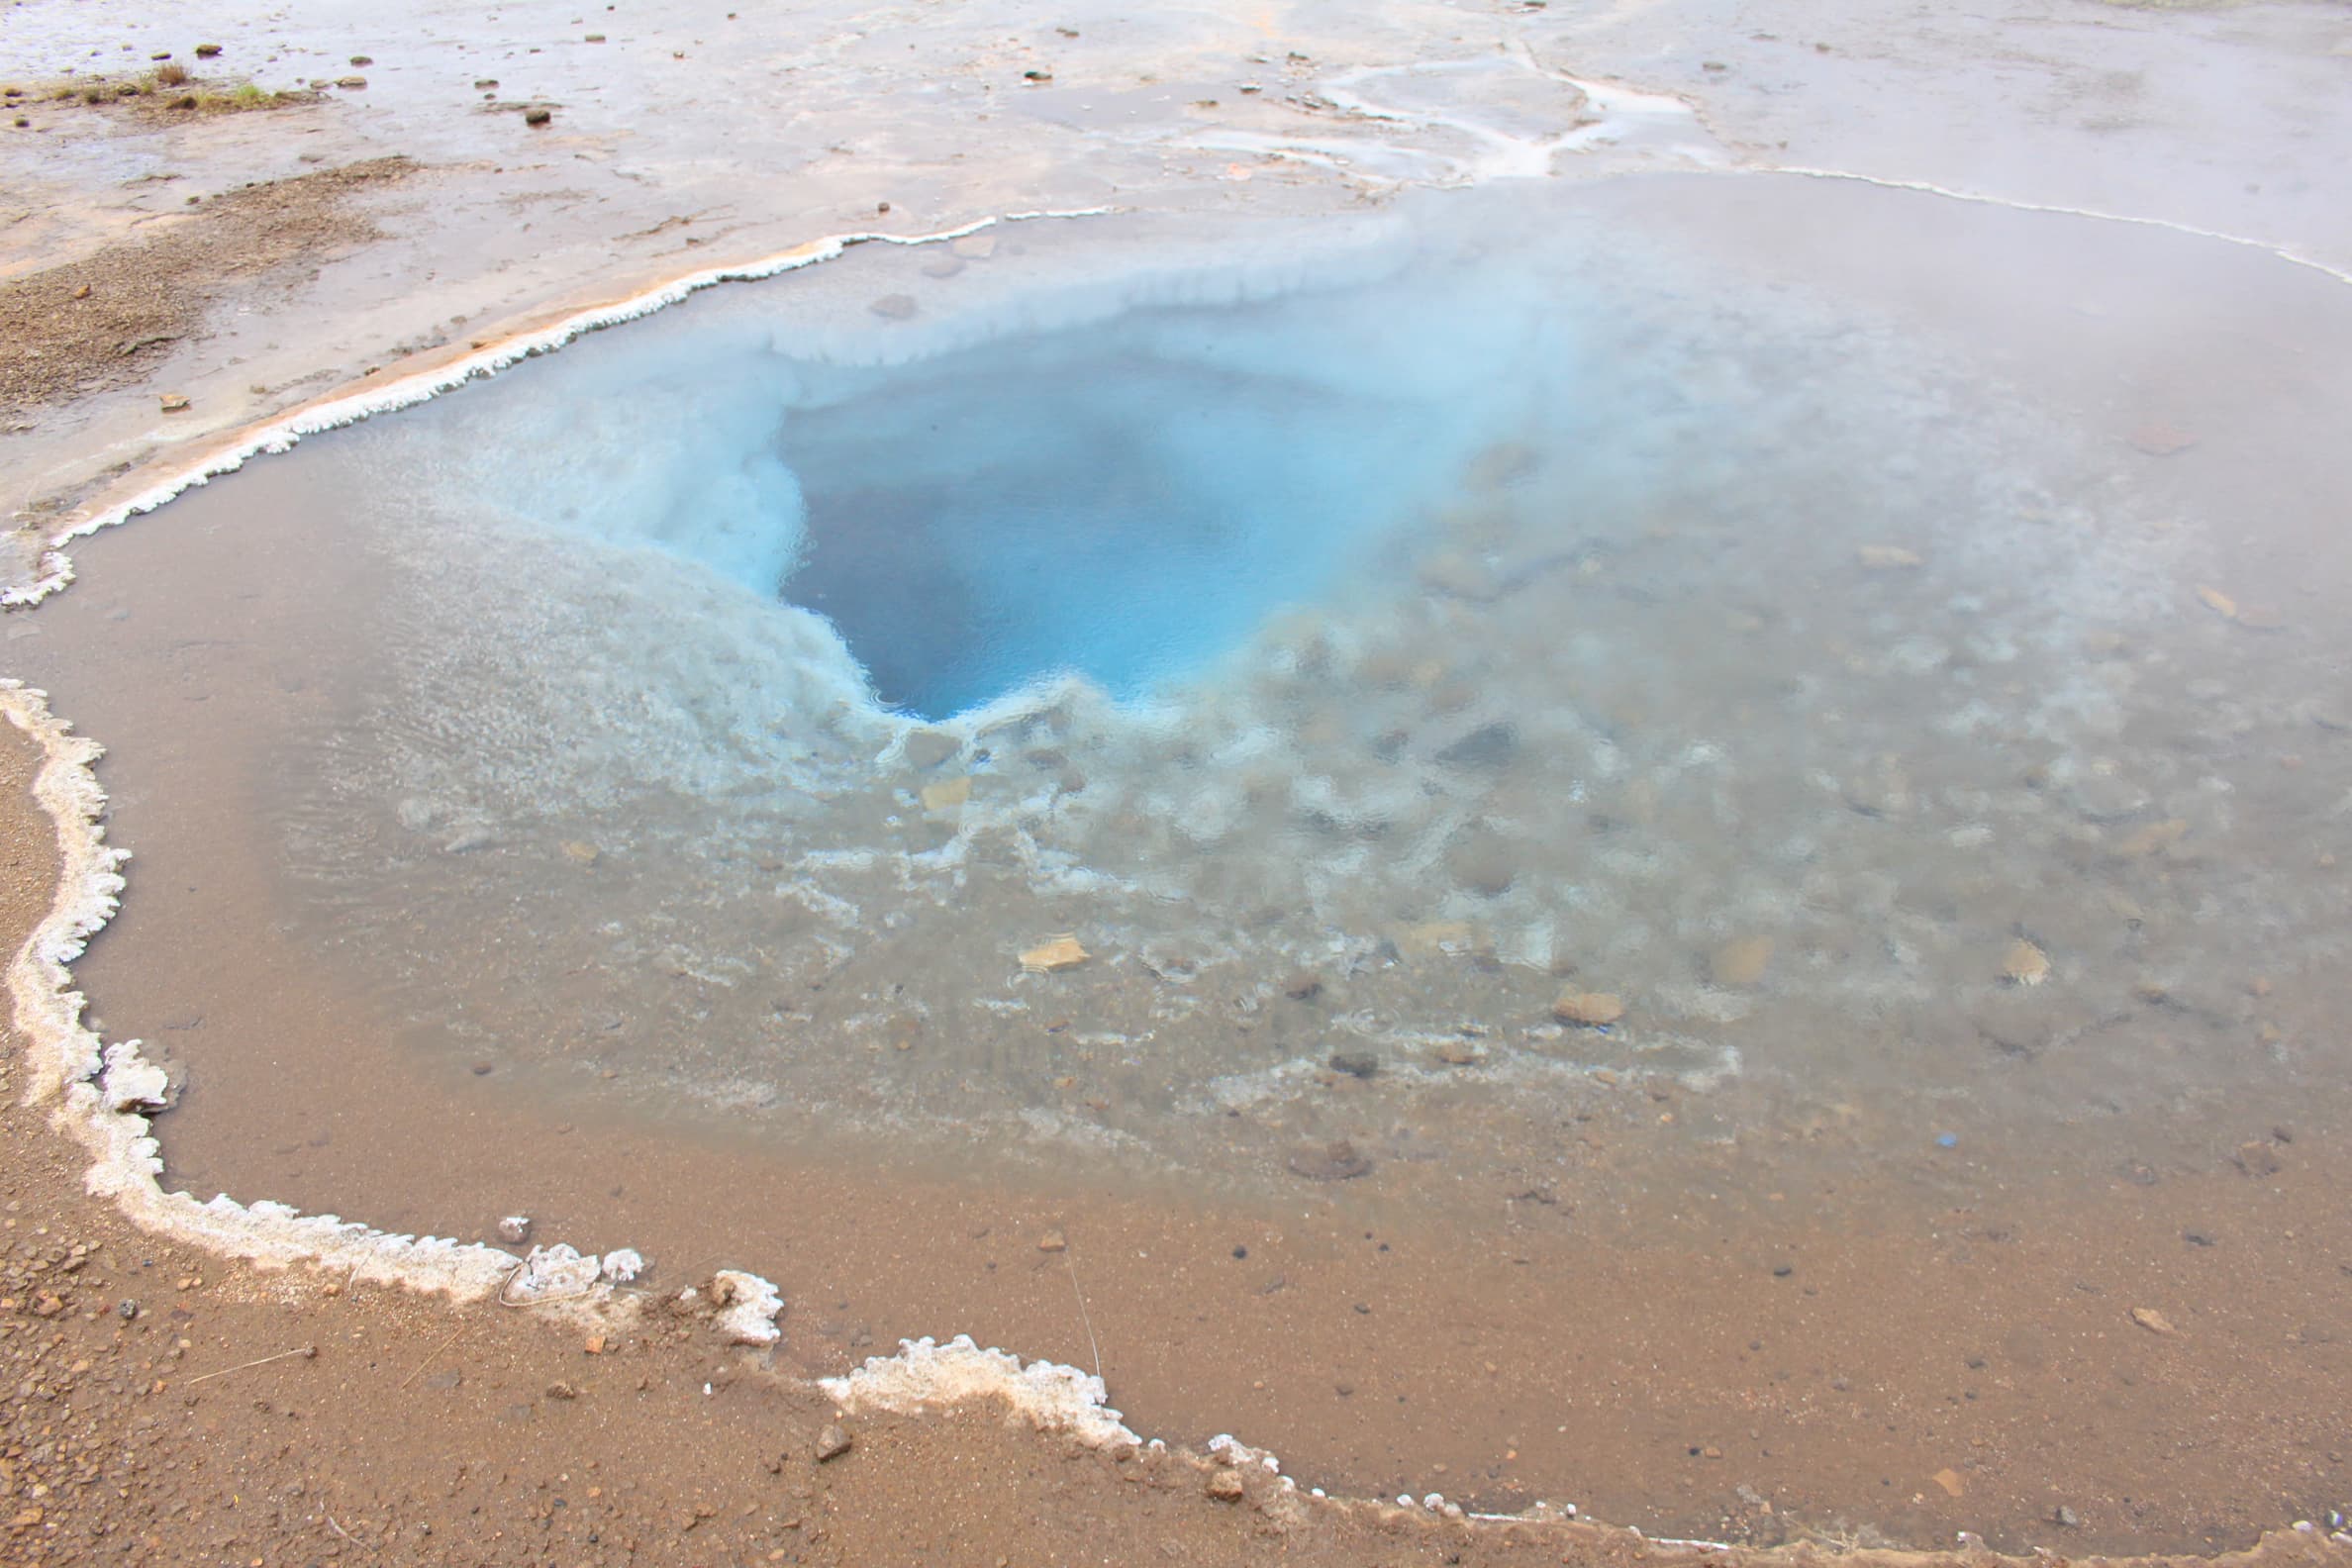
(1310, 715)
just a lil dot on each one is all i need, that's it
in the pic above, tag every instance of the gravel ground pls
(107, 319)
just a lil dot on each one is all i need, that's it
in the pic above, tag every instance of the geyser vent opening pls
(1124, 505)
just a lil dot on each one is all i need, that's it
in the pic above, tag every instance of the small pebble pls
(1589, 1008)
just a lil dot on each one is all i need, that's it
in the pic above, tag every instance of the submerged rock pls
(928, 748)
(1438, 938)
(2024, 964)
(1491, 745)
(948, 794)
(1062, 952)
(2102, 796)
(1335, 1161)
(1589, 1008)
(1740, 962)
(1483, 863)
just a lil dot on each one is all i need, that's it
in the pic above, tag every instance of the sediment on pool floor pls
(1870, 794)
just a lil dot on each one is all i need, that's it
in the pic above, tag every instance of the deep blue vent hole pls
(1126, 504)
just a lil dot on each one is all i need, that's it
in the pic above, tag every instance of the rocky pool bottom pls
(1914, 708)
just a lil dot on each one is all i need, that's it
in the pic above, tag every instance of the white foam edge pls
(99, 1092)
(55, 568)
(2278, 251)
(748, 1305)
(1620, 117)
(925, 1374)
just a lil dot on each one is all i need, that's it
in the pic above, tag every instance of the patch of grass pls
(245, 96)
(170, 89)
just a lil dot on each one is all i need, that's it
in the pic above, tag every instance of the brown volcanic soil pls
(104, 319)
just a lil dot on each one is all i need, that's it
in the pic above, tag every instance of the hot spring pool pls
(1457, 663)
(1541, 803)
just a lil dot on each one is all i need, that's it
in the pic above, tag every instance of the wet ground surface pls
(2223, 119)
(1913, 692)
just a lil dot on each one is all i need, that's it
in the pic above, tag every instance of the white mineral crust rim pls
(56, 568)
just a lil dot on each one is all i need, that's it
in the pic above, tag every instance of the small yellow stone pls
(1062, 952)
(948, 794)
(2024, 964)
(583, 854)
(2154, 838)
(1590, 1008)
(1740, 962)
(1432, 939)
